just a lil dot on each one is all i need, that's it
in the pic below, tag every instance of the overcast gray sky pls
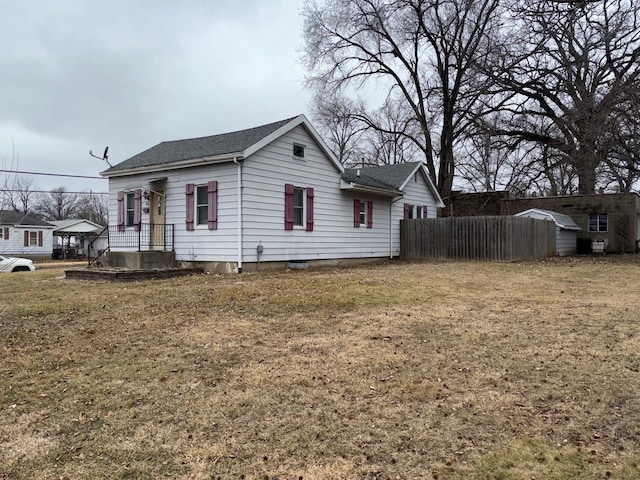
(82, 74)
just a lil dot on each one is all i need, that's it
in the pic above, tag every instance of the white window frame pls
(363, 212)
(129, 211)
(300, 208)
(598, 217)
(197, 206)
(297, 148)
(33, 238)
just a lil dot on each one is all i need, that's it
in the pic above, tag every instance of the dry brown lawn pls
(398, 370)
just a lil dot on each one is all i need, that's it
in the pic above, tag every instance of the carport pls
(71, 238)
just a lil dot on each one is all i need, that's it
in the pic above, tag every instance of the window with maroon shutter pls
(407, 208)
(288, 206)
(26, 239)
(121, 211)
(356, 213)
(40, 238)
(189, 188)
(369, 214)
(212, 193)
(310, 209)
(6, 233)
(137, 209)
(425, 209)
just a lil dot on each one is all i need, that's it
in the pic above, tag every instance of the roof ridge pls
(285, 120)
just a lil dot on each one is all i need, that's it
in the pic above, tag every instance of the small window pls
(130, 209)
(419, 211)
(363, 213)
(598, 222)
(33, 239)
(298, 150)
(298, 206)
(410, 211)
(202, 205)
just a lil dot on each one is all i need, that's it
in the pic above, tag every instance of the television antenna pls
(104, 157)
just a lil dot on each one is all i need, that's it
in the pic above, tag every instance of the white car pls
(13, 264)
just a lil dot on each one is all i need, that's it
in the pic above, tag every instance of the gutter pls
(239, 193)
(356, 187)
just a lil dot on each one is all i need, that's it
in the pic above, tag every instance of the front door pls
(157, 230)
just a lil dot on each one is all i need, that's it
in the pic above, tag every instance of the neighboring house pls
(612, 218)
(273, 193)
(25, 236)
(72, 237)
(566, 229)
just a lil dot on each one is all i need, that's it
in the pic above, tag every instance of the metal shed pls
(566, 229)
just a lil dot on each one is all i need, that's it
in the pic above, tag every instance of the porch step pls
(147, 260)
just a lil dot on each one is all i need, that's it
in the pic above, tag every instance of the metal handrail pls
(140, 237)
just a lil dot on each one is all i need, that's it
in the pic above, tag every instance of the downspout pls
(235, 160)
(391, 225)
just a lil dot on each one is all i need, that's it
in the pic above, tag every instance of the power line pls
(50, 191)
(52, 174)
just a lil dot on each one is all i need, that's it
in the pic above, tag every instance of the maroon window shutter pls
(309, 209)
(120, 211)
(6, 233)
(356, 213)
(137, 209)
(406, 210)
(288, 206)
(425, 209)
(190, 207)
(26, 239)
(39, 238)
(212, 190)
(369, 214)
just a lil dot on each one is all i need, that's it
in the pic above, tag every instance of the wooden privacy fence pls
(499, 238)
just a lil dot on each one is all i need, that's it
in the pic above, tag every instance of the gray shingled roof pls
(383, 176)
(9, 217)
(181, 150)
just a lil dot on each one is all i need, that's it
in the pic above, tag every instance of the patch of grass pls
(399, 370)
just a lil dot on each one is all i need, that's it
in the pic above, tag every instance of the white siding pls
(565, 242)
(201, 244)
(416, 192)
(334, 236)
(15, 244)
(264, 175)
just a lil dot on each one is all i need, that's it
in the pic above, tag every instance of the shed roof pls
(561, 220)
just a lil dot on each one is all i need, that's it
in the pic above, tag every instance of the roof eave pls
(356, 187)
(193, 162)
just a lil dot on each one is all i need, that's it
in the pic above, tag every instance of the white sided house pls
(273, 193)
(24, 235)
(566, 229)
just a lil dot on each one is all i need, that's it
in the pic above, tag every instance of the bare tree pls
(93, 207)
(335, 116)
(421, 51)
(388, 143)
(58, 204)
(20, 195)
(571, 70)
